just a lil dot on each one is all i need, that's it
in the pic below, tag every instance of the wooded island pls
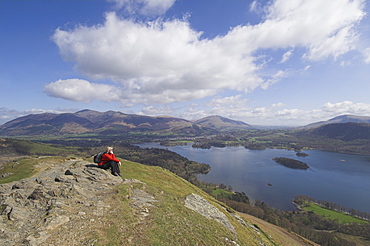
(291, 163)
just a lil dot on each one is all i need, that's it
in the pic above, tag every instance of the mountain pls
(89, 121)
(221, 123)
(340, 119)
(344, 131)
(76, 203)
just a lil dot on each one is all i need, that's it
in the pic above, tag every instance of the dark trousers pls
(111, 164)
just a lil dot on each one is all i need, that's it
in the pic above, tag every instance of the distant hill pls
(87, 121)
(343, 131)
(340, 119)
(221, 123)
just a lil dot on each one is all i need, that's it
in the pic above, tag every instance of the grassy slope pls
(280, 235)
(174, 224)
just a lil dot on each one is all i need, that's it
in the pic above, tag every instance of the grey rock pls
(35, 210)
(202, 206)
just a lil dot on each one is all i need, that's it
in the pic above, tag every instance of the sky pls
(280, 62)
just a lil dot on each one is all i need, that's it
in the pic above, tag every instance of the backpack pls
(97, 157)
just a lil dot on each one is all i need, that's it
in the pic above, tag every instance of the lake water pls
(335, 177)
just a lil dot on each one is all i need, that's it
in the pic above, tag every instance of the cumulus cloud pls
(324, 28)
(157, 61)
(80, 90)
(347, 107)
(166, 61)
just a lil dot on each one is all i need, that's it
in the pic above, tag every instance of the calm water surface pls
(340, 178)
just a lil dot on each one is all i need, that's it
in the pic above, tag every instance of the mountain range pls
(114, 122)
(111, 122)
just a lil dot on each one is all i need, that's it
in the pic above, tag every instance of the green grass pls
(170, 222)
(222, 193)
(23, 168)
(25, 147)
(333, 215)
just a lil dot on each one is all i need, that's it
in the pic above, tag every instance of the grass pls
(23, 168)
(333, 215)
(221, 193)
(170, 222)
(11, 147)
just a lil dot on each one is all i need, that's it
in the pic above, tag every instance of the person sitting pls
(109, 160)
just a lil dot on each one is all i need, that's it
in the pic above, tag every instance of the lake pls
(335, 177)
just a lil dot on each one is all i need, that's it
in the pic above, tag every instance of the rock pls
(202, 206)
(52, 207)
(52, 223)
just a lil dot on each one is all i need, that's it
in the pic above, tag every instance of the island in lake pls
(291, 163)
(301, 154)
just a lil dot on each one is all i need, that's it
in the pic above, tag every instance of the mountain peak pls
(221, 123)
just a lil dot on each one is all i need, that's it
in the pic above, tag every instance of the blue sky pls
(282, 62)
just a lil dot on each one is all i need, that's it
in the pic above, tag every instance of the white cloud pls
(80, 90)
(274, 78)
(167, 61)
(325, 28)
(367, 55)
(227, 101)
(156, 62)
(153, 110)
(144, 7)
(278, 105)
(347, 107)
(286, 56)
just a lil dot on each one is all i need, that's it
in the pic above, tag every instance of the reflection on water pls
(335, 177)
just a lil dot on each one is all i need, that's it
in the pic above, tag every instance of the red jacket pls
(107, 157)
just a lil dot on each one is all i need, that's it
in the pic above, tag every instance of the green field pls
(333, 215)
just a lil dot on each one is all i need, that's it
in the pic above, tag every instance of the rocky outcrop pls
(202, 206)
(71, 195)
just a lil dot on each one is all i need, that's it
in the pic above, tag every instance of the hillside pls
(222, 123)
(71, 202)
(343, 131)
